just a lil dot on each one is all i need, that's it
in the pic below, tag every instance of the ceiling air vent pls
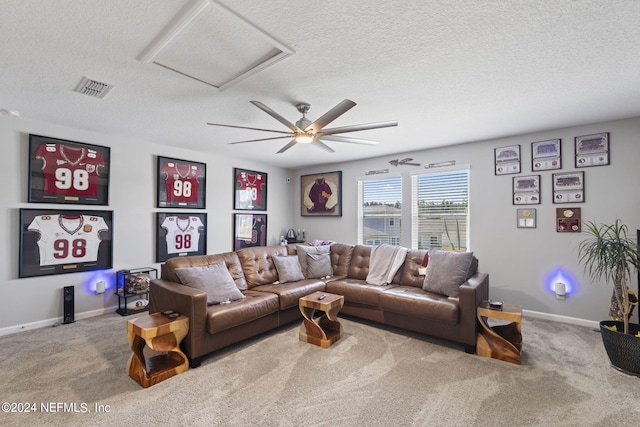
(93, 88)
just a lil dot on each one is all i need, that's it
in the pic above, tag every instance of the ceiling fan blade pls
(276, 116)
(337, 138)
(286, 147)
(355, 128)
(261, 139)
(331, 115)
(246, 127)
(324, 146)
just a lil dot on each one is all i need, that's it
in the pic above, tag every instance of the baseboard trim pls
(54, 321)
(561, 319)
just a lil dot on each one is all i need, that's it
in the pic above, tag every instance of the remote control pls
(321, 297)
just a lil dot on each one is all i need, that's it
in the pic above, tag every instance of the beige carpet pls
(374, 376)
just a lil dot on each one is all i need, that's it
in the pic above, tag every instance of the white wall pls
(32, 302)
(518, 261)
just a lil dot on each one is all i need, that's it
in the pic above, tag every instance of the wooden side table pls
(326, 329)
(500, 341)
(161, 334)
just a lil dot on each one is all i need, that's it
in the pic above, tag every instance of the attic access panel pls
(210, 43)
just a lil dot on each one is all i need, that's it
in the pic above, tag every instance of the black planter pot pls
(623, 349)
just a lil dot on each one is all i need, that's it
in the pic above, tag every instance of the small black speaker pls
(67, 304)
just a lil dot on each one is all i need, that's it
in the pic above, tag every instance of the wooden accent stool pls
(504, 341)
(161, 334)
(326, 329)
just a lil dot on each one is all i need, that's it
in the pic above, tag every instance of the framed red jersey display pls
(181, 183)
(54, 241)
(62, 171)
(180, 234)
(249, 230)
(250, 191)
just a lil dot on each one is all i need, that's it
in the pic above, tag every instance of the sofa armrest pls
(191, 302)
(472, 293)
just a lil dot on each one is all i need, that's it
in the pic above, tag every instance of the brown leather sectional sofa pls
(267, 305)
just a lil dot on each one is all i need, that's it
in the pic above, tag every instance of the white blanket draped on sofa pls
(384, 263)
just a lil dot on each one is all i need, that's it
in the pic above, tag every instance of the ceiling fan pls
(306, 132)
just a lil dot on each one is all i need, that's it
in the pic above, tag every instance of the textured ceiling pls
(447, 71)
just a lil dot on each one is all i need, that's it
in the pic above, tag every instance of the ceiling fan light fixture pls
(304, 138)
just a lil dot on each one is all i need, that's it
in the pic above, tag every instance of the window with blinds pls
(439, 211)
(379, 211)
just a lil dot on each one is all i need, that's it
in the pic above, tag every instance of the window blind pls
(379, 211)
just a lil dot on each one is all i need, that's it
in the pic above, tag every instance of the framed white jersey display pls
(180, 234)
(56, 241)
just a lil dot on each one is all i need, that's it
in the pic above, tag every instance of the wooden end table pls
(161, 334)
(326, 329)
(502, 340)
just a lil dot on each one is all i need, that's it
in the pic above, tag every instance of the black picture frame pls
(546, 155)
(249, 230)
(592, 150)
(249, 190)
(568, 187)
(56, 241)
(526, 190)
(321, 194)
(507, 160)
(181, 183)
(68, 172)
(180, 234)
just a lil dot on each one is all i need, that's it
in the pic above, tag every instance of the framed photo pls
(180, 234)
(321, 194)
(507, 160)
(568, 187)
(181, 183)
(249, 230)
(62, 171)
(250, 190)
(54, 241)
(545, 155)
(526, 190)
(526, 218)
(568, 220)
(592, 150)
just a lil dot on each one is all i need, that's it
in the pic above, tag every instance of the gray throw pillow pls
(446, 271)
(214, 279)
(303, 250)
(288, 268)
(318, 265)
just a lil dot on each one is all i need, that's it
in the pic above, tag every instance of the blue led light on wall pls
(557, 276)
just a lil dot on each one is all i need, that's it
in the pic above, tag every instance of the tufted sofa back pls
(229, 258)
(257, 264)
(359, 265)
(341, 258)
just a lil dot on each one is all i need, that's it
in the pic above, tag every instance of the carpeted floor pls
(373, 376)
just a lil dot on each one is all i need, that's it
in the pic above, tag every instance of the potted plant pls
(609, 255)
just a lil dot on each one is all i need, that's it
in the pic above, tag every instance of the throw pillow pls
(446, 271)
(303, 250)
(214, 279)
(318, 266)
(288, 268)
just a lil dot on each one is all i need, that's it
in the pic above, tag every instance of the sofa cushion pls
(290, 293)
(214, 279)
(257, 264)
(318, 265)
(303, 251)
(446, 271)
(359, 265)
(357, 291)
(410, 271)
(254, 306)
(288, 268)
(341, 258)
(229, 258)
(420, 304)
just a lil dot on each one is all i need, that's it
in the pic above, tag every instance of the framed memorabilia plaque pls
(592, 150)
(526, 218)
(180, 234)
(250, 190)
(545, 155)
(568, 220)
(249, 230)
(321, 194)
(54, 241)
(62, 171)
(507, 160)
(526, 190)
(568, 187)
(181, 183)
